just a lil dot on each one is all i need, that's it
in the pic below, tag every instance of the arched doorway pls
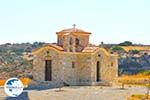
(98, 71)
(48, 70)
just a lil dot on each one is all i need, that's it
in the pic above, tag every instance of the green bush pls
(145, 72)
(117, 48)
(126, 43)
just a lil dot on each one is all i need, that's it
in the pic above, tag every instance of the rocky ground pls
(77, 93)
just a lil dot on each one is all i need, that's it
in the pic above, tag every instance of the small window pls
(77, 41)
(112, 64)
(99, 55)
(47, 52)
(73, 64)
(71, 41)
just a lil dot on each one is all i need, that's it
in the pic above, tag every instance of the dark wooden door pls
(48, 70)
(98, 71)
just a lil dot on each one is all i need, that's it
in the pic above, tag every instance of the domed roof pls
(72, 30)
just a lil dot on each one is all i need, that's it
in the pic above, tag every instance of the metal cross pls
(74, 25)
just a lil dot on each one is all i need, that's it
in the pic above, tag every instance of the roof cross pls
(74, 26)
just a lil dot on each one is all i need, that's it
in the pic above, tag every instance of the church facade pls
(72, 60)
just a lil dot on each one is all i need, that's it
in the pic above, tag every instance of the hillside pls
(133, 58)
(16, 59)
(132, 64)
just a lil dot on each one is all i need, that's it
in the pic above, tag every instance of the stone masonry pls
(73, 61)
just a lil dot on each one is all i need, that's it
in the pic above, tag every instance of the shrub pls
(117, 49)
(126, 43)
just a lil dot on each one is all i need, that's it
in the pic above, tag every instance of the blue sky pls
(110, 21)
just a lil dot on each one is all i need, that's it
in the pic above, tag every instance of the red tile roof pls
(90, 49)
(72, 30)
(51, 45)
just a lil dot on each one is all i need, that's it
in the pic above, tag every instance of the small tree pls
(117, 49)
(126, 43)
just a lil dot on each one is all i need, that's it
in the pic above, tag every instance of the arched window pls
(112, 64)
(71, 41)
(77, 41)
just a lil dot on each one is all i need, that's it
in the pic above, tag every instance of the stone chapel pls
(72, 60)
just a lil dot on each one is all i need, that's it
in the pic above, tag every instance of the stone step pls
(48, 85)
(101, 83)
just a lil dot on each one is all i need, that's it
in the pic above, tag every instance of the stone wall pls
(74, 68)
(108, 65)
(83, 42)
(64, 41)
(39, 65)
(84, 67)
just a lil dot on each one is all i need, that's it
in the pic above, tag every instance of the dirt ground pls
(77, 93)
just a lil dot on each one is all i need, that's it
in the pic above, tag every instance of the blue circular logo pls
(13, 87)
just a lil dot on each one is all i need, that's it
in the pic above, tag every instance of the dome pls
(72, 30)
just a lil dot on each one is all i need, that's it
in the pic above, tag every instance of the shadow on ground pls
(23, 96)
(38, 88)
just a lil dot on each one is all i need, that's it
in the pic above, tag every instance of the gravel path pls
(76, 93)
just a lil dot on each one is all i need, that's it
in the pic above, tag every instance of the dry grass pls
(139, 79)
(139, 48)
(138, 97)
(25, 81)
